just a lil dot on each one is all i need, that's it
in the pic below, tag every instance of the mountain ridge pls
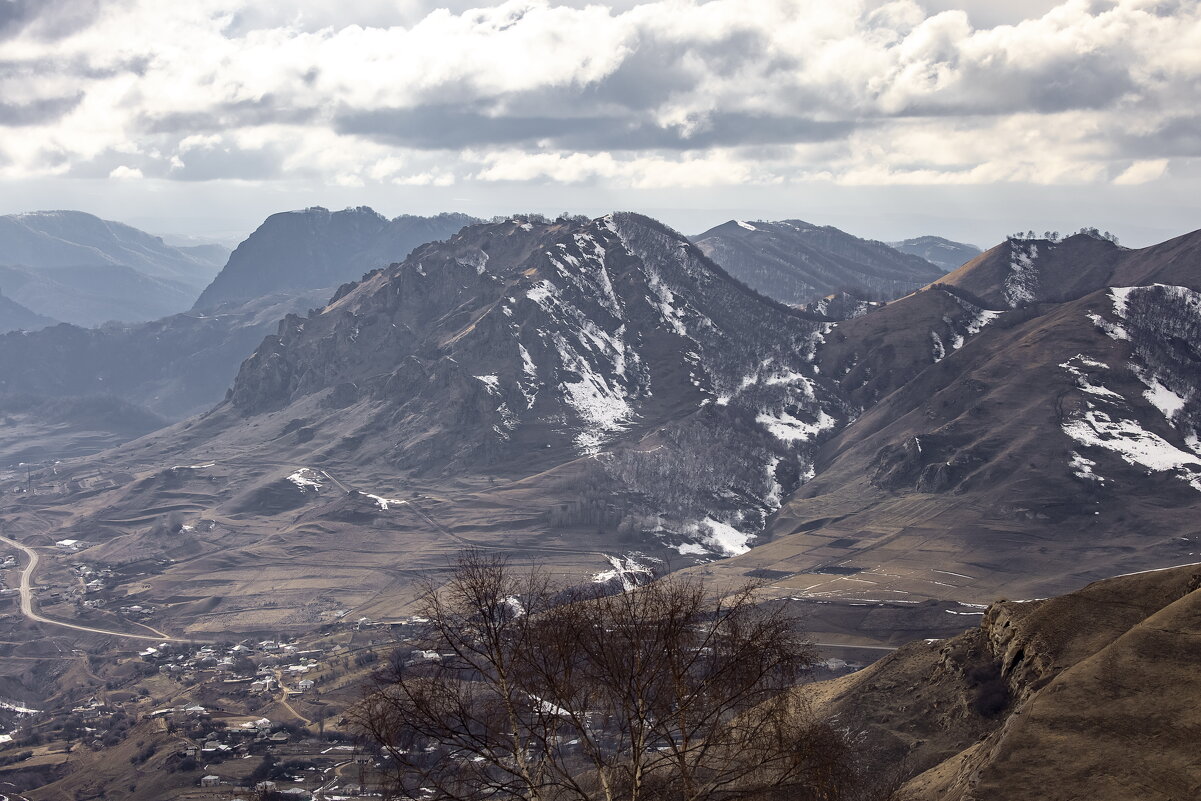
(797, 262)
(315, 248)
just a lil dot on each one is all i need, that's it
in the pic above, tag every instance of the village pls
(259, 718)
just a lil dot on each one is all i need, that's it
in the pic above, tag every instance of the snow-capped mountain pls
(1026, 425)
(522, 346)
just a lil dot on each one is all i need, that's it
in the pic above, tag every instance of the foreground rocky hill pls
(1088, 695)
(797, 262)
(319, 249)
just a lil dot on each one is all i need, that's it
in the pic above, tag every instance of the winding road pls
(27, 609)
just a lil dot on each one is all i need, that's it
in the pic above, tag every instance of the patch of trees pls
(537, 691)
(1053, 236)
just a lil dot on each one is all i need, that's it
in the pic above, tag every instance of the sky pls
(888, 118)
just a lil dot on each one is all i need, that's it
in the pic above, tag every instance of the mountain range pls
(797, 262)
(601, 393)
(77, 268)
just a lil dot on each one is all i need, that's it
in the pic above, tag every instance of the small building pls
(210, 781)
(69, 546)
(305, 685)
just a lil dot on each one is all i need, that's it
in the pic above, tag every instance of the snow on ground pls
(491, 382)
(306, 479)
(626, 569)
(1022, 280)
(1084, 468)
(746, 225)
(544, 293)
(18, 708)
(975, 326)
(604, 408)
(384, 503)
(787, 428)
(1081, 377)
(1133, 443)
(1159, 396)
(723, 537)
(775, 495)
(940, 350)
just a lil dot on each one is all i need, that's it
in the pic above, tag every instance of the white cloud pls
(124, 173)
(672, 93)
(1141, 172)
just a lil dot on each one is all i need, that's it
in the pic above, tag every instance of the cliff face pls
(1092, 695)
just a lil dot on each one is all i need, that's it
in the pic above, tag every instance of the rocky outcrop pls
(1087, 695)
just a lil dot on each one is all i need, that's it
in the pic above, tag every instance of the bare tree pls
(527, 690)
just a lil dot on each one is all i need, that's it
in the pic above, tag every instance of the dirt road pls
(27, 609)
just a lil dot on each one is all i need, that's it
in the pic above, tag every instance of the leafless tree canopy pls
(526, 690)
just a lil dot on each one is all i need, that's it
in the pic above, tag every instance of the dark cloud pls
(199, 164)
(208, 164)
(46, 19)
(453, 127)
(34, 69)
(37, 112)
(1177, 137)
(227, 116)
(1085, 82)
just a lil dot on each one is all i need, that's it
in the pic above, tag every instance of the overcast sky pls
(888, 119)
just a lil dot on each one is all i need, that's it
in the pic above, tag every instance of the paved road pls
(28, 610)
(860, 647)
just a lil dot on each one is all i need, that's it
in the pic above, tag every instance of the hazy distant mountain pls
(15, 317)
(316, 248)
(174, 367)
(936, 250)
(81, 269)
(797, 262)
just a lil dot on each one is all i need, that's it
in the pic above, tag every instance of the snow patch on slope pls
(1021, 283)
(306, 479)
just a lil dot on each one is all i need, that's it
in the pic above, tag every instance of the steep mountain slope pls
(517, 347)
(1013, 451)
(85, 270)
(595, 393)
(318, 249)
(1089, 695)
(176, 366)
(15, 317)
(797, 262)
(938, 251)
